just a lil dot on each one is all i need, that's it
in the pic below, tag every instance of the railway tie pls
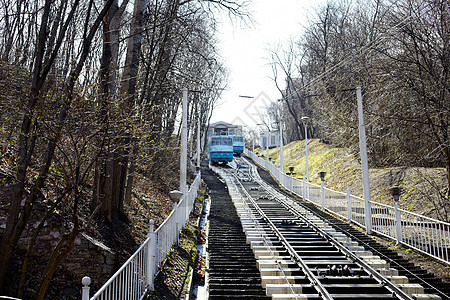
(263, 243)
(403, 268)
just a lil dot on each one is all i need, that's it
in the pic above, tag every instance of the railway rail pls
(299, 254)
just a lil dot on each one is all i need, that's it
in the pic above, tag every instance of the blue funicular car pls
(220, 149)
(238, 144)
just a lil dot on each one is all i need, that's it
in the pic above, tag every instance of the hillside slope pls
(421, 186)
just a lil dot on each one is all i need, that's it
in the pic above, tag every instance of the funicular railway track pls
(299, 255)
(403, 267)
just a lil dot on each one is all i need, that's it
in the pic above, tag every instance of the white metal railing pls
(137, 274)
(427, 235)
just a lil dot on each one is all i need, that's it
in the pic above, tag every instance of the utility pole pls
(198, 142)
(253, 142)
(281, 148)
(305, 121)
(267, 149)
(183, 157)
(364, 163)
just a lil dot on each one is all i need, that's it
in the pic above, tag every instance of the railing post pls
(307, 189)
(191, 201)
(188, 206)
(322, 189)
(396, 190)
(177, 222)
(398, 223)
(349, 205)
(291, 184)
(322, 194)
(151, 256)
(304, 187)
(86, 281)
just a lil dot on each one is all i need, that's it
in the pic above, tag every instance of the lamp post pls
(264, 137)
(253, 137)
(183, 154)
(198, 144)
(183, 158)
(305, 123)
(176, 196)
(267, 149)
(277, 159)
(259, 135)
(253, 142)
(277, 144)
(281, 147)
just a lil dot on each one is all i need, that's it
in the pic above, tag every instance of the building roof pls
(224, 124)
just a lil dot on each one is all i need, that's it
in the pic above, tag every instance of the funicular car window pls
(226, 142)
(215, 142)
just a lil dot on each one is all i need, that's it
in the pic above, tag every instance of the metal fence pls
(136, 276)
(426, 235)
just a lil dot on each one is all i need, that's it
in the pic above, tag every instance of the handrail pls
(136, 276)
(121, 270)
(424, 234)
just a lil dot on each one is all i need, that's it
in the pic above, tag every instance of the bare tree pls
(398, 52)
(143, 61)
(16, 222)
(422, 71)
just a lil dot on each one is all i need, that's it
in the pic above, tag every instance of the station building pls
(270, 139)
(224, 128)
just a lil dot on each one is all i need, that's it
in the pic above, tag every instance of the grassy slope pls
(342, 168)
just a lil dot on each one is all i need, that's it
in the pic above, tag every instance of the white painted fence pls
(427, 235)
(137, 274)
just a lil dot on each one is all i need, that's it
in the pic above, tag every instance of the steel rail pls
(262, 232)
(376, 251)
(309, 274)
(238, 172)
(383, 280)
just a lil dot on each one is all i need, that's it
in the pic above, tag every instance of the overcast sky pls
(244, 51)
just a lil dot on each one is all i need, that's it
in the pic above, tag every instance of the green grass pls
(321, 157)
(343, 168)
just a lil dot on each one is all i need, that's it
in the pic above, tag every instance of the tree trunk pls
(107, 188)
(128, 95)
(26, 148)
(15, 224)
(132, 169)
